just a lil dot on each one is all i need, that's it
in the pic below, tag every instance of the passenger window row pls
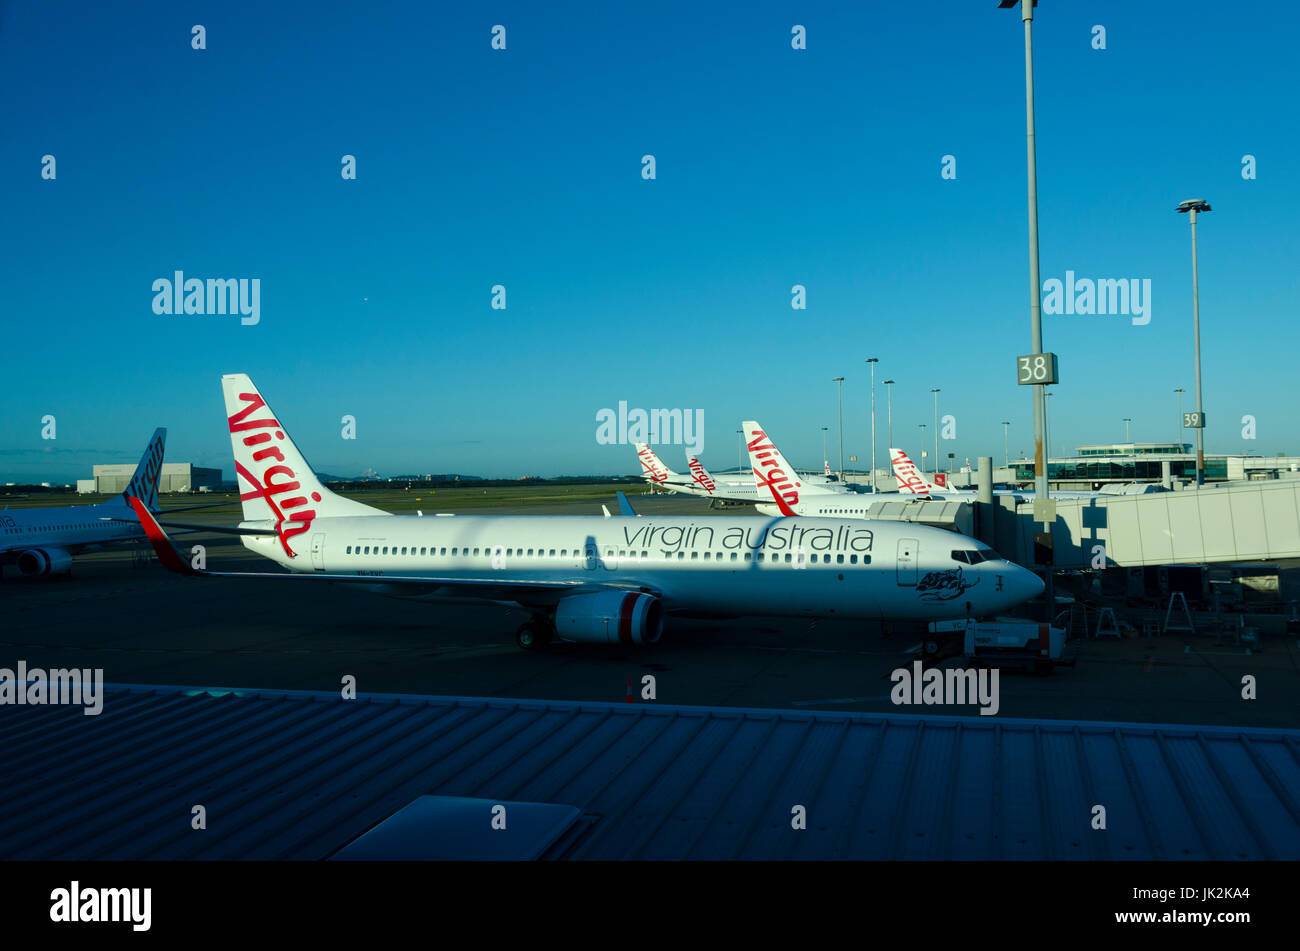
(23, 529)
(761, 557)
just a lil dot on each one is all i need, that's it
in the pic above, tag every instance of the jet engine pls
(44, 561)
(610, 617)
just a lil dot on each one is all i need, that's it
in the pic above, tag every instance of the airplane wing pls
(486, 587)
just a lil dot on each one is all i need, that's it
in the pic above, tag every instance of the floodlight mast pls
(872, 361)
(839, 383)
(1042, 489)
(1191, 207)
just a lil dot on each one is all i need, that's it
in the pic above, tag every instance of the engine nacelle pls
(610, 617)
(44, 561)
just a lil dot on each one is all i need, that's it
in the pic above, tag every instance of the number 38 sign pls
(1036, 368)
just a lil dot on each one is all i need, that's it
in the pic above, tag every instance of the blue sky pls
(522, 167)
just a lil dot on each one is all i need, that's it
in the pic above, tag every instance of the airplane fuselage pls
(735, 565)
(69, 527)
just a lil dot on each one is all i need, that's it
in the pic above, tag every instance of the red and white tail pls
(700, 474)
(144, 482)
(771, 471)
(827, 464)
(275, 482)
(652, 466)
(909, 477)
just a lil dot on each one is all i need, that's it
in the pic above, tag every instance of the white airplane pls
(658, 474)
(701, 482)
(911, 481)
(42, 541)
(594, 579)
(787, 493)
(724, 489)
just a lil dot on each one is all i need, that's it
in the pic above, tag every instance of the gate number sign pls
(1035, 368)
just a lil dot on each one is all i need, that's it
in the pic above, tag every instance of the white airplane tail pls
(144, 483)
(827, 464)
(652, 466)
(700, 474)
(275, 481)
(909, 477)
(771, 471)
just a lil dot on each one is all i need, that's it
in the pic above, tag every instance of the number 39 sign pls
(1035, 368)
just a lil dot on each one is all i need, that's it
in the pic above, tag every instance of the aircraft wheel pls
(533, 636)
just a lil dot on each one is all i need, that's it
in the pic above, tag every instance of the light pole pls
(1006, 444)
(839, 382)
(923, 448)
(935, 391)
(1047, 433)
(889, 400)
(1179, 391)
(1193, 206)
(1042, 490)
(872, 361)
(826, 463)
(1127, 420)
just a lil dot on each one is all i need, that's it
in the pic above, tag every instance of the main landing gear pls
(536, 634)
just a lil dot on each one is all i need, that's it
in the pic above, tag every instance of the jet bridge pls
(1244, 522)
(954, 516)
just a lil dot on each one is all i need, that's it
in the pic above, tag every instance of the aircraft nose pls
(1030, 585)
(1018, 584)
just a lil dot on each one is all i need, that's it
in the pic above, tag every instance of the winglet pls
(162, 545)
(624, 506)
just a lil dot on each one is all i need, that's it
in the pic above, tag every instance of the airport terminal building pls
(175, 477)
(1155, 462)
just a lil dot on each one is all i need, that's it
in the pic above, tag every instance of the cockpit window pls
(972, 556)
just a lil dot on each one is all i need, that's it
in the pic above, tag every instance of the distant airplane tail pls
(275, 481)
(652, 466)
(700, 474)
(771, 470)
(909, 477)
(144, 482)
(827, 464)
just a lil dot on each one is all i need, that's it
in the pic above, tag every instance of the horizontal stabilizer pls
(195, 527)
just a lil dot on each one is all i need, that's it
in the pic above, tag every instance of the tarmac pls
(142, 625)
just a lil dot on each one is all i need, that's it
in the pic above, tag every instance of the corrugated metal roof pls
(299, 775)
